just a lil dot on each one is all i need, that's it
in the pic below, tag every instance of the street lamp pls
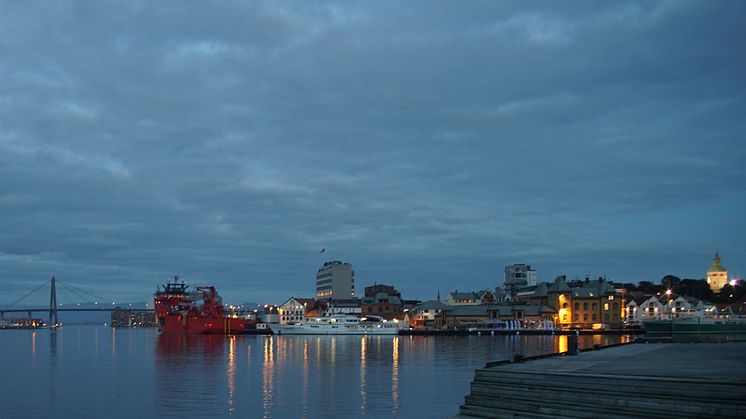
(668, 293)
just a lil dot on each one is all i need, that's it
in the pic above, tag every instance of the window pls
(593, 307)
(576, 316)
(577, 306)
(585, 306)
(594, 317)
(585, 316)
(606, 306)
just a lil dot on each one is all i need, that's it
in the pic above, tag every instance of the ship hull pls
(202, 325)
(694, 326)
(279, 329)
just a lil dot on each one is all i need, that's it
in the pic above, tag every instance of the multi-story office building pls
(518, 276)
(335, 280)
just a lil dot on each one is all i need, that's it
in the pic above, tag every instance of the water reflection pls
(363, 366)
(563, 344)
(338, 376)
(268, 375)
(188, 372)
(304, 392)
(395, 375)
(231, 372)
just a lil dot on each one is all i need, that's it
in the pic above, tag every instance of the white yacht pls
(339, 324)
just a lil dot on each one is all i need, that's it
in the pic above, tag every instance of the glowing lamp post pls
(670, 310)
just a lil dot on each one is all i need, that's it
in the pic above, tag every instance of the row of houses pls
(666, 307)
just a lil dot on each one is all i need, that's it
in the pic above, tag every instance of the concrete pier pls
(682, 380)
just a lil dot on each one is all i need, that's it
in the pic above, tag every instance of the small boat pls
(339, 324)
(697, 324)
(198, 312)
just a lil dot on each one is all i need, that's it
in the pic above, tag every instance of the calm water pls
(92, 371)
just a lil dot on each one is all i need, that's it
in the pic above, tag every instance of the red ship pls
(198, 312)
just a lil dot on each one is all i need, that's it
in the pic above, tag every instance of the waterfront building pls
(469, 298)
(518, 276)
(335, 280)
(593, 305)
(423, 315)
(632, 315)
(651, 307)
(501, 296)
(295, 309)
(494, 316)
(717, 275)
(382, 300)
(121, 317)
(270, 314)
(730, 309)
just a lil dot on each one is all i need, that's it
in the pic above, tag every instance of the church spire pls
(716, 266)
(717, 275)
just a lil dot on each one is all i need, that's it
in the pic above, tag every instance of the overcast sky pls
(427, 143)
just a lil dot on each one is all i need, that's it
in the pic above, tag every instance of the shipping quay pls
(683, 380)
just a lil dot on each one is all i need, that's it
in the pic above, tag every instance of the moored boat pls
(697, 324)
(339, 324)
(199, 312)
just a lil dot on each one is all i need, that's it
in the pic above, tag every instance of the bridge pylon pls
(53, 320)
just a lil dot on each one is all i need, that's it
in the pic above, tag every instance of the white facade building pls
(335, 280)
(294, 310)
(518, 276)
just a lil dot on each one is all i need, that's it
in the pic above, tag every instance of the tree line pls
(687, 287)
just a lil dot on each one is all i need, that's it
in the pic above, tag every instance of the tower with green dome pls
(717, 275)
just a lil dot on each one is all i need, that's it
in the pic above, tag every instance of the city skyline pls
(428, 145)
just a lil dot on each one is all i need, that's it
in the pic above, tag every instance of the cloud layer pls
(428, 144)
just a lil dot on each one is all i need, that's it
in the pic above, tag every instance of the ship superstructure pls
(197, 312)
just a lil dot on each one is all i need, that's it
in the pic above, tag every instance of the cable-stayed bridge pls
(54, 307)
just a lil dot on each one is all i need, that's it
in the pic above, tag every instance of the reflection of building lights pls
(563, 346)
(395, 375)
(363, 361)
(231, 372)
(268, 376)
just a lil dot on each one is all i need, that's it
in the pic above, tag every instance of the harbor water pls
(97, 371)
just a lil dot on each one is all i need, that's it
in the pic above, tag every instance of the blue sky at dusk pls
(427, 143)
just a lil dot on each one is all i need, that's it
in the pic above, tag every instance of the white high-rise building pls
(335, 280)
(518, 276)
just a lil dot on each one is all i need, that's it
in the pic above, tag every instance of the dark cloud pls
(427, 144)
